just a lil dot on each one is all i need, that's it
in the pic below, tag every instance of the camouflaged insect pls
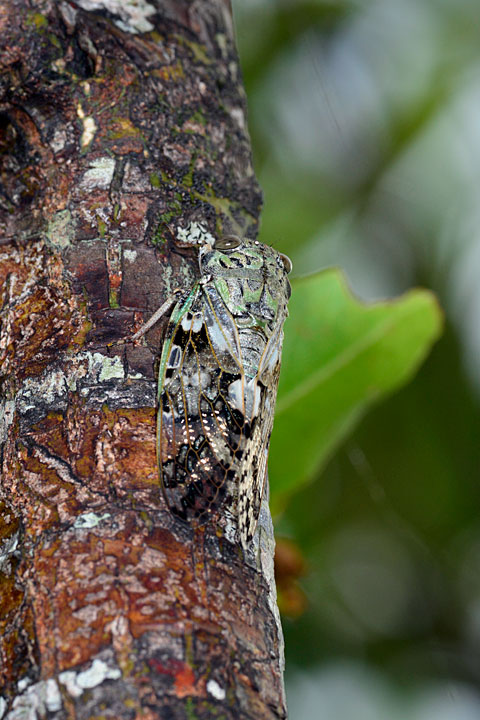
(218, 378)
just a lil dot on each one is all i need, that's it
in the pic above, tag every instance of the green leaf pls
(339, 356)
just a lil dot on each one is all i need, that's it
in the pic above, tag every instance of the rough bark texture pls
(120, 123)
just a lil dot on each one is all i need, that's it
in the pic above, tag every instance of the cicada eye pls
(228, 242)
(287, 263)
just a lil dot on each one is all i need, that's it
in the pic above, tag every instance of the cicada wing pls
(214, 422)
(252, 479)
(252, 399)
(199, 433)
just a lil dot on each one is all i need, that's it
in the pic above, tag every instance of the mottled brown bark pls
(120, 123)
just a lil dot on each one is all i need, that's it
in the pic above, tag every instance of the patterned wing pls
(214, 418)
(200, 433)
(251, 395)
(253, 474)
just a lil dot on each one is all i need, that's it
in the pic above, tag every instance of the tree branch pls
(122, 126)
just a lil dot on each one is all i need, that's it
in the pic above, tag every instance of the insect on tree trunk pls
(123, 141)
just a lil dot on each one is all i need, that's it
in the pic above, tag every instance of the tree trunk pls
(122, 127)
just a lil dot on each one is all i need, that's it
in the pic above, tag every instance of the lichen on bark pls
(122, 124)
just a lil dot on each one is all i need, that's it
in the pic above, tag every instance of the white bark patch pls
(83, 372)
(7, 411)
(3, 707)
(53, 700)
(131, 14)
(69, 15)
(89, 127)
(68, 678)
(107, 368)
(89, 520)
(7, 548)
(88, 614)
(96, 674)
(195, 234)
(118, 626)
(61, 229)
(99, 174)
(221, 39)
(48, 387)
(215, 690)
(57, 143)
(130, 255)
(36, 702)
(239, 116)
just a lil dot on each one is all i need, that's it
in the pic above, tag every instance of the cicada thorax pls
(217, 385)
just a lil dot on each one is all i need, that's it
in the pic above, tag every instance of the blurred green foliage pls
(365, 117)
(339, 356)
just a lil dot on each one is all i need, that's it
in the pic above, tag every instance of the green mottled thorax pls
(249, 279)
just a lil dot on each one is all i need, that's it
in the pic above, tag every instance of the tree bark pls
(122, 124)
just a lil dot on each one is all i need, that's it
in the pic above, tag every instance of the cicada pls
(217, 383)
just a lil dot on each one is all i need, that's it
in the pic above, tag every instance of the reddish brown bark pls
(118, 126)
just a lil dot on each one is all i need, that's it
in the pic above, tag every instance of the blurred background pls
(365, 123)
